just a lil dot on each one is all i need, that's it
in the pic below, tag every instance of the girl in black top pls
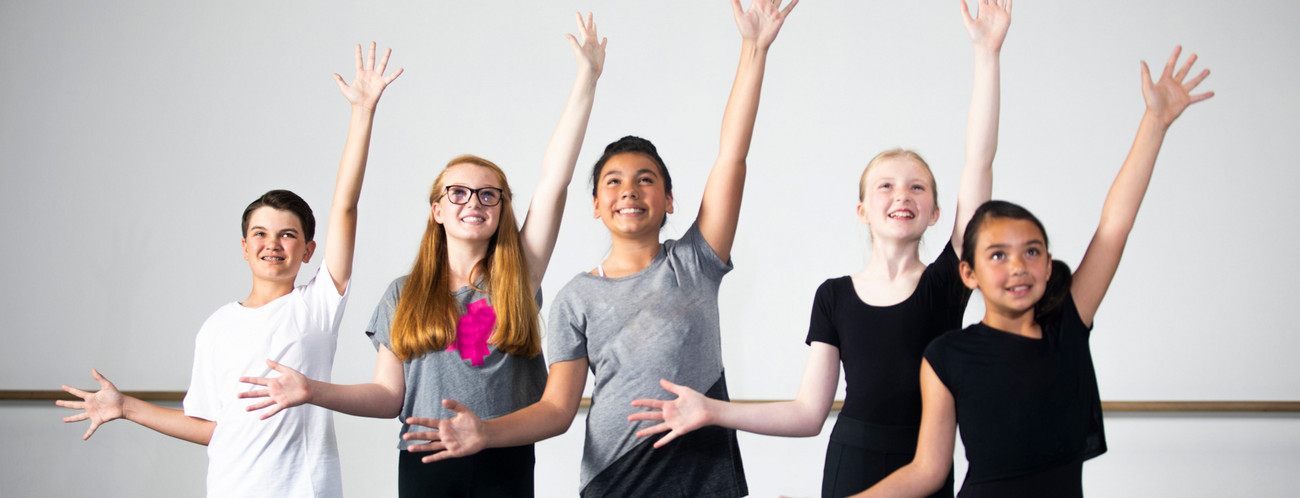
(878, 321)
(1021, 383)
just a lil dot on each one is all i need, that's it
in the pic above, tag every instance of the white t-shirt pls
(294, 452)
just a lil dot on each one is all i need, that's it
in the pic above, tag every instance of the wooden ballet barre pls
(1107, 406)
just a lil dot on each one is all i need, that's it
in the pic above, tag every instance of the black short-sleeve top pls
(880, 346)
(1024, 405)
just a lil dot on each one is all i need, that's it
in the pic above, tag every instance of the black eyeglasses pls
(460, 194)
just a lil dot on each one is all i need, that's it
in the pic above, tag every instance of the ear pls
(1050, 264)
(595, 208)
(862, 214)
(968, 276)
(435, 210)
(934, 218)
(243, 247)
(311, 249)
(669, 208)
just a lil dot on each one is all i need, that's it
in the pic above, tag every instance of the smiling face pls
(898, 199)
(471, 221)
(275, 246)
(630, 196)
(1010, 266)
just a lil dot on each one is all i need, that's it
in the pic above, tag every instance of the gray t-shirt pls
(659, 323)
(470, 371)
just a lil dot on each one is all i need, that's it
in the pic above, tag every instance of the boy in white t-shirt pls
(293, 454)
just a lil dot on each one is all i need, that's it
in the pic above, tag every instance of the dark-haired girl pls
(648, 311)
(1021, 382)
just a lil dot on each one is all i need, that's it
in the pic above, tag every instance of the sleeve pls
(943, 286)
(200, 399)
(567, 339)
(936, 354)
(821, 327)
(324, 301)
(379, 330)
(1070, 319)
(701, 253)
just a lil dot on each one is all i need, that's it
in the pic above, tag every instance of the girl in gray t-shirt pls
(647, 312)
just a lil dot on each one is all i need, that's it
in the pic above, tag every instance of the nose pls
(629, 192)
(1017, 266)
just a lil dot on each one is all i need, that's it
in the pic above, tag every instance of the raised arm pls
(1165, 99)
(542, 224)
(926, 473)
(465, 434)
(381, 398)
(363, 93)
(109, 404)
(720, 206)
(802, 417)
(987, 31)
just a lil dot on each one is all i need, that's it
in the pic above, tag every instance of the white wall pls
(133, 133)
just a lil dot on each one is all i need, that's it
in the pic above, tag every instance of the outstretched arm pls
(933, 460)
(987, 31)
(363, 93)
(381, 398)
(720, 206)
(109, 404)
(465, 434)
(1166, 99)
(542, 225)
(802, 417)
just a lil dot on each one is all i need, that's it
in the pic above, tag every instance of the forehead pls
(470, 175)
(1008, 232)
(274, 219)
(627, 163)
(899, 168)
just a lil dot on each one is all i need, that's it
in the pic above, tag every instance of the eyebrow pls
(641, 171)
(260, 227)
(1035, 242)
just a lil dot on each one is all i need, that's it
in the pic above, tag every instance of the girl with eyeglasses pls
(878, 321)
(463, 324)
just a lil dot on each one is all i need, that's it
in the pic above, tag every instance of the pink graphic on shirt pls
(473, 331)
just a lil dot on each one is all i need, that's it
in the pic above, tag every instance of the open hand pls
(1166, 99)
(762, 21)
(370, 81)
(100, 407)
(459, 436)
(989, 26)
(591, 55)
(680, 416)
(288, 390)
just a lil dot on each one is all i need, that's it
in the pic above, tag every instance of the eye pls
(458, 194)
(886, 186)
(289, 235)
(998, 256)
(645, 180)
(612, 181)
(489, 196)
(1033, 251)
(918, 188)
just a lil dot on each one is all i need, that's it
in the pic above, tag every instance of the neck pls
(265, 291)
(629, 256)
(891, 259)
(462, 257)
(1022, 323)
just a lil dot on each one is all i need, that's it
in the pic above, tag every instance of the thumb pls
(670, 387)
(103, 382)
(455, 406)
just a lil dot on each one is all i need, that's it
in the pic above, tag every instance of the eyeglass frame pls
(473, 192)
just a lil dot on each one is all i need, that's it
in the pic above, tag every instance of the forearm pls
(981, 138)
(913, 479)
(169, 421)
(1130, 187)
(362, 400)
(538, 421)
(797, 418)
(742, 105)
(341, 235)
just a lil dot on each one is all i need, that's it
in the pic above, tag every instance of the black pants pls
(493, 472)
(862, 454)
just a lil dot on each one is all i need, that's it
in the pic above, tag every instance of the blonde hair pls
(426, 315)
(895, 154)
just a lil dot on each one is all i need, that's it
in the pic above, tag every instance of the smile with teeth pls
(630, 211)
(1018, 289)
(472, 219)
(902, 213)
(272, 258)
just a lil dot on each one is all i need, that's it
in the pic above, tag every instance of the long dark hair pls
(1058, 285)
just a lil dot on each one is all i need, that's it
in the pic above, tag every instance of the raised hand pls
(100, 407)
(288, 390)
(591, 55)
(680, 416)
(1166, 99)
(370, 81)
(458, 436)
(989, 26)
(762, 21)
